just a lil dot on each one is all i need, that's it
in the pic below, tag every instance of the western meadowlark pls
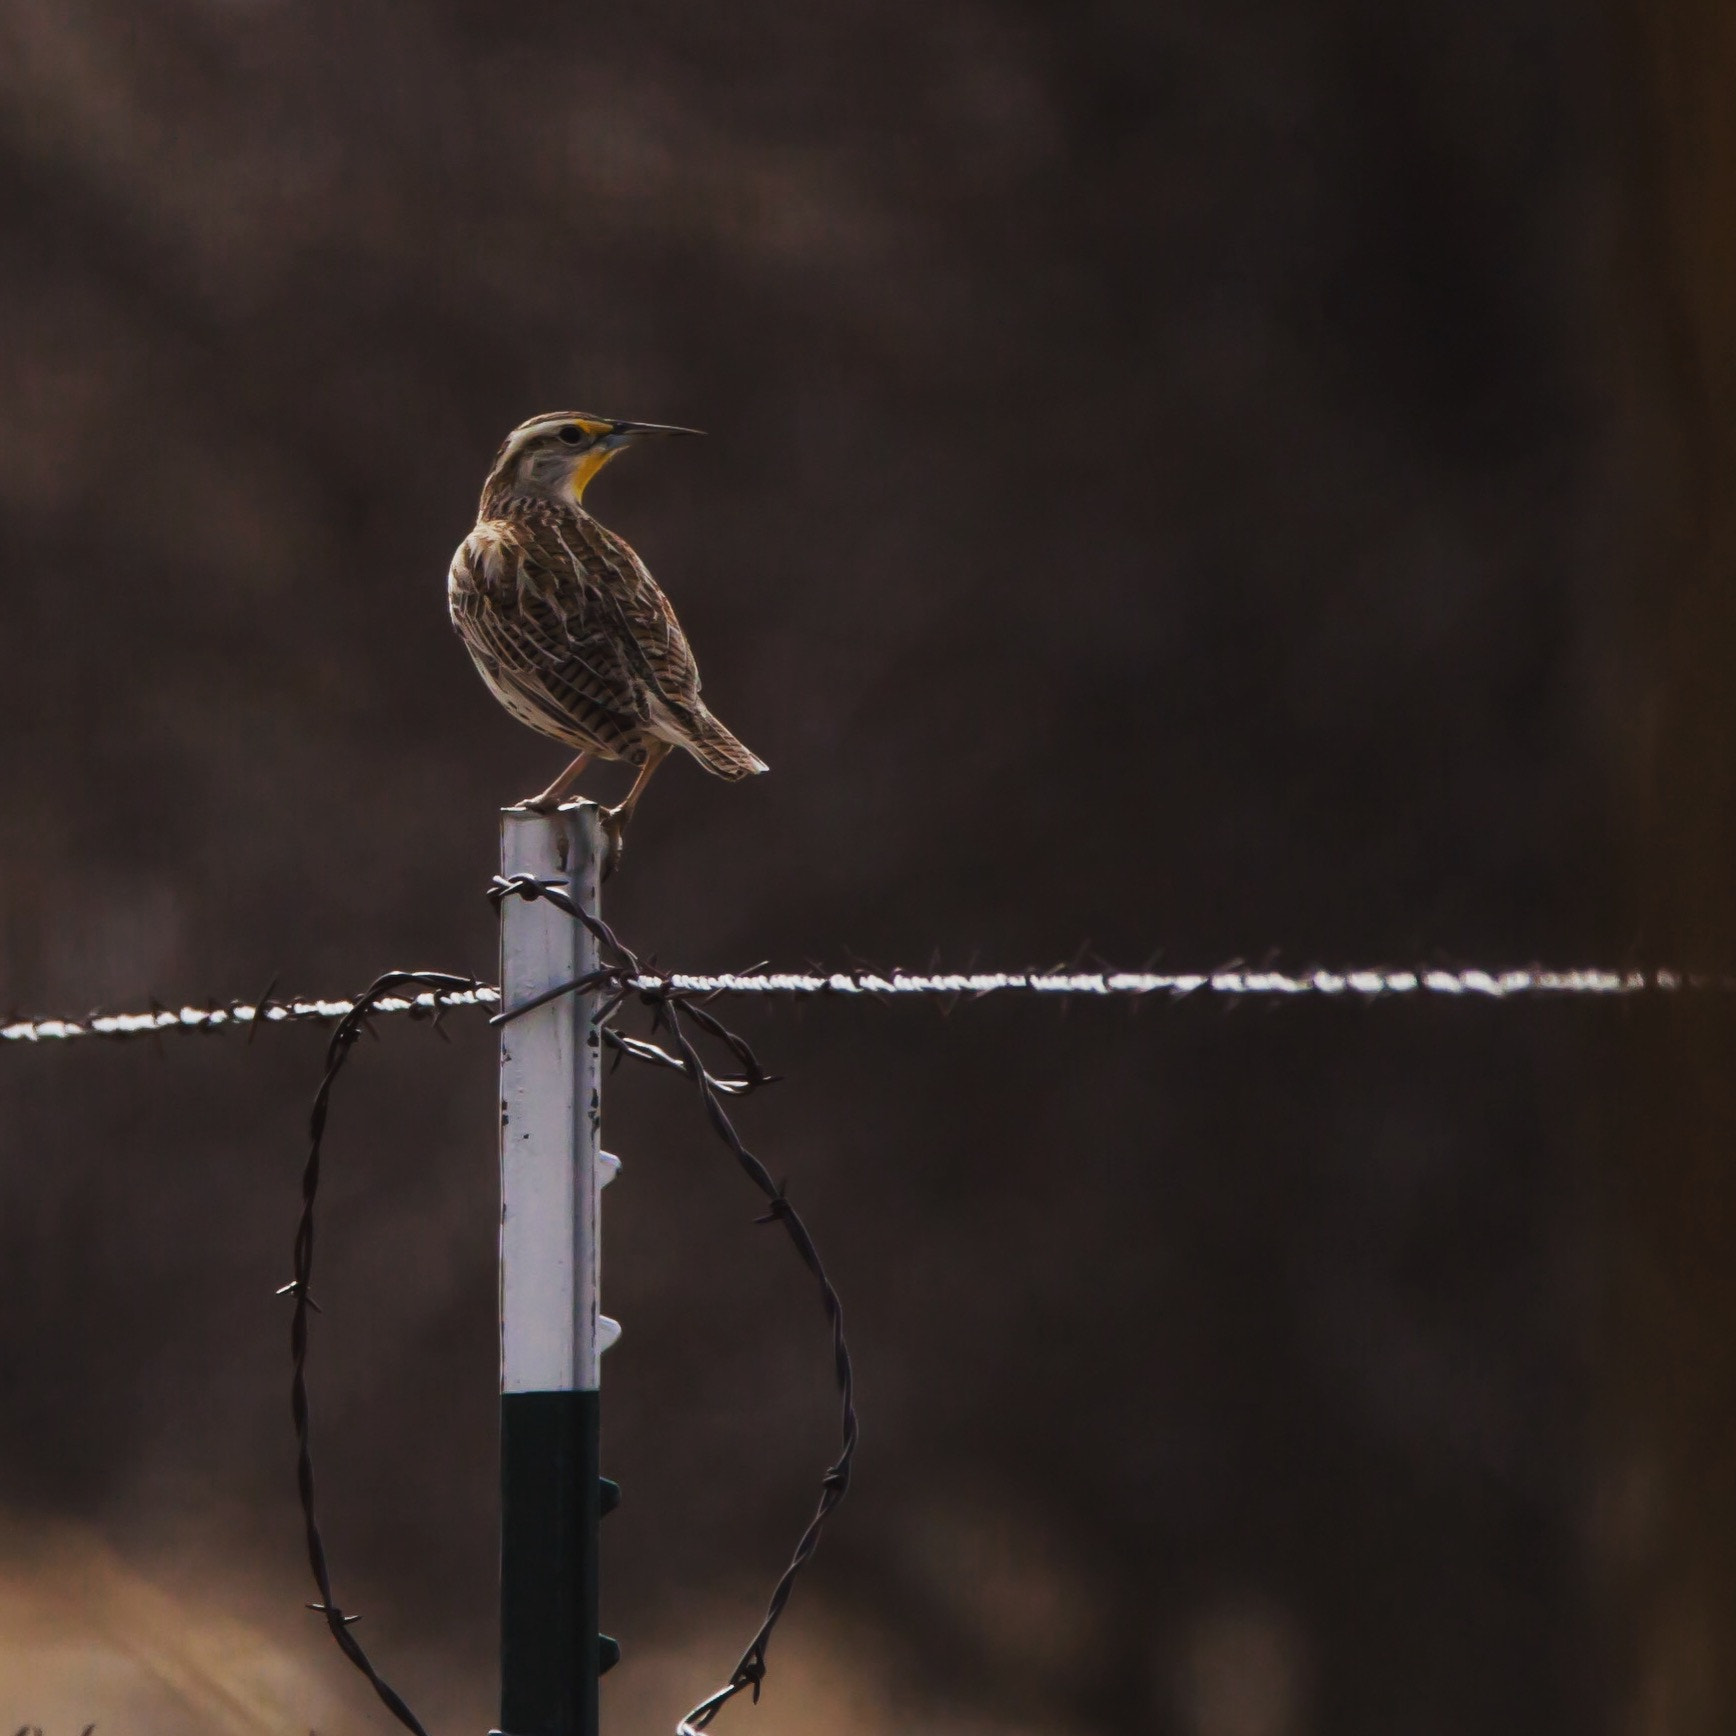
(568, 628)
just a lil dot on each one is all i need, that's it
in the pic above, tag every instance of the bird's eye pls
(573, 434)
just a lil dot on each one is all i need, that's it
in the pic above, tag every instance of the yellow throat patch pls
(589, 463)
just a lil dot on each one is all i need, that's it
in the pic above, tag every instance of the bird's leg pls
(550, 799)
(615, 819)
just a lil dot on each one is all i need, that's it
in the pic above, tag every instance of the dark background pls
(1186, 481)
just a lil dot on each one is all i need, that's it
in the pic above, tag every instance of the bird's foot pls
(543, 804)
(614, 829)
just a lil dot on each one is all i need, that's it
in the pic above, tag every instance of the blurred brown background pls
(1186, 480)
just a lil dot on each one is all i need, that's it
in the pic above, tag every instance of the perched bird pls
(568, 628)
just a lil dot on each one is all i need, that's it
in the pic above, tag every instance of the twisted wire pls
(244, 1015)
(1369, 983)
(1357, 984)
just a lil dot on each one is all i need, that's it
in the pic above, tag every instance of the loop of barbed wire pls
(343, 1039)
(672, 1008)
(614, 982)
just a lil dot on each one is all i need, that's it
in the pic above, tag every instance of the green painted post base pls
(551, 1497)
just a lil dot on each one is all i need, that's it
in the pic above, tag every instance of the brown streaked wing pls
(649, 618)
(543, 627)
(571, 719)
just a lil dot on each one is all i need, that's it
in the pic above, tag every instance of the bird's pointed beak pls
(623, 432)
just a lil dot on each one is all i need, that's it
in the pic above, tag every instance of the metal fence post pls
(551, 1334)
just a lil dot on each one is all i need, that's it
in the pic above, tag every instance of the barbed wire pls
(672, 1005)
(675, 998)
(1356, 983)
(614, 983)
(216, 1016)
(433, 986)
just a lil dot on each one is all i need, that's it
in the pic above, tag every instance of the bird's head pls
(557, 454)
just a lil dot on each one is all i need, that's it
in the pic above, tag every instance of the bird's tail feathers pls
(718, 751)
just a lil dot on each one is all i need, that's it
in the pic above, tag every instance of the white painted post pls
(551, 1333)
(549, 1111)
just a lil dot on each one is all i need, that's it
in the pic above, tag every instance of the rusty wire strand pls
(343, 1039)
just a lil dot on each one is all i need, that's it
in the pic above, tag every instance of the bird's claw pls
(614, 825)
(614, 829)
